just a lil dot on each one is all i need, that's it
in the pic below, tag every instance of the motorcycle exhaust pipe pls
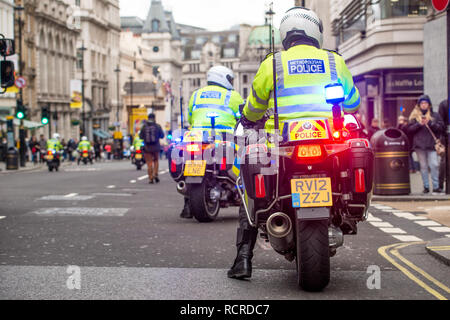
(181, 187)
(280, 232)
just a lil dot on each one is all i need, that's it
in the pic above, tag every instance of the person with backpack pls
(151, 133)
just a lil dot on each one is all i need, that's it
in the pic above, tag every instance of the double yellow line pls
(392, 251)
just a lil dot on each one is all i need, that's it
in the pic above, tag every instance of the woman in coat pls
(421, 121)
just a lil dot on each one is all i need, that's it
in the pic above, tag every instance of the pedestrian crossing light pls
(44, 116)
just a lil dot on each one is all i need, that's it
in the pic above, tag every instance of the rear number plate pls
(315, 192)
(138, 157)
(195, 168)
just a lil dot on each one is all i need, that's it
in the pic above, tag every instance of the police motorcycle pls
(319, 189)
(53, 159)
(137, 157)
(202, 164)
(85, 155)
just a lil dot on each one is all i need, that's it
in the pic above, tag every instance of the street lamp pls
(117, 71)
(83, 128)
(22, 149)
(269, 20)
(131, 90)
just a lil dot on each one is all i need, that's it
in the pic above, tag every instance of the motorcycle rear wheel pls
(202, 208)
(313, 255)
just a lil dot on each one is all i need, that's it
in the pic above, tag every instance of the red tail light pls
(308, 153)
(85, 151)
(138, 151)
(223, 165)
(49, 153)
(260, 188)
(173, 166)
(360, 181)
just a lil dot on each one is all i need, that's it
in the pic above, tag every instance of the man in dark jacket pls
(443, 112)
(421, 122)
(374, 127)
(151, 133)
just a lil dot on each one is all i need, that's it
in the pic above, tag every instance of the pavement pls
(435, 206)
(122, 238)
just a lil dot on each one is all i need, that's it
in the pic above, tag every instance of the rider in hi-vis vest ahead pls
(217, 97)
(302, 72)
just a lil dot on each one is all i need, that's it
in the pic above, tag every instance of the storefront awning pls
(102, 134)
(27, 124)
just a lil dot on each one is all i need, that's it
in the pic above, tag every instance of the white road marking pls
(81, 170)
(381, 224)
(428, 223)
(113, 194)
(381, 207)
(440, 229)
(65, 198)
(2, 217)
(407, 238)
(447, 235)
(143, 177)
(71, 195)
(111, 187)
(409, 216)
(393, 230)
(164, 171)
(371, 217)
(133, 181)
(94, 212)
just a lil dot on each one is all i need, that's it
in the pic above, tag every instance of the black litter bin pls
(391, 148)
(12, 159)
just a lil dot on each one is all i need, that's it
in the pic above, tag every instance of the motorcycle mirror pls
(351, 123)
(7, 74)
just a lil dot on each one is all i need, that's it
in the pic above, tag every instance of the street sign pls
(440, 5)
(20, 82)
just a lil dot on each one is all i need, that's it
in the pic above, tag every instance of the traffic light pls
(44, 115)
(21, 112)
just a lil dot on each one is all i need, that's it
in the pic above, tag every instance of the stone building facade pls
(100, 36)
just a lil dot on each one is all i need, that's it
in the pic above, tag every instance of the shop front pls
(387, 94)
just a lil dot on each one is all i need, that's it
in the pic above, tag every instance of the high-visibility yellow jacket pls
(84, 145)
(138, 143)
(214, 99)
(54, 144)
(302, 73)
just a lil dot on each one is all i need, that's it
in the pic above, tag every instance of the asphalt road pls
(102, 232)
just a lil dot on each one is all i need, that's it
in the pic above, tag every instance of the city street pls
(125, 240)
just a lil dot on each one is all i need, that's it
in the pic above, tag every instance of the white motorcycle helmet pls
(221, 76)
(300, 22)
(56, 136)
(84, 138)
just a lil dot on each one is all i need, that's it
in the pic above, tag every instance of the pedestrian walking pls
(402, 125)
(34, 147)
(97, 150)
(151, 133)
(42, 148)
(423, 124)
(108, 150)
(443, 112)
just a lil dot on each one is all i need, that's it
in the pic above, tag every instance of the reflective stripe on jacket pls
(302, 73)
(214, 99)
(54, 144)
(84, 145)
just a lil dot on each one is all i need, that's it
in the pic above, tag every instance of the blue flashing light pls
(334, 93)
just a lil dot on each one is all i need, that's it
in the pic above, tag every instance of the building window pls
(387, 9)
(245, 92)
(155, 25)
(155, 49)
(245, 78)
(232, 38)
(78, 3)
(80, 60)
(229, 53)
(195, 55)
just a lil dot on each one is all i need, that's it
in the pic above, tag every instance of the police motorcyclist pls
(84, 144)
(217, 97)
(54, 143)
(138, 143)
(303, 70)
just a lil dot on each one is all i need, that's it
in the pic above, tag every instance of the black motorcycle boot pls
(186, 213)
(245, 243)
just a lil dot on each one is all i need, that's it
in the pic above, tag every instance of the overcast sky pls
(213, 15)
